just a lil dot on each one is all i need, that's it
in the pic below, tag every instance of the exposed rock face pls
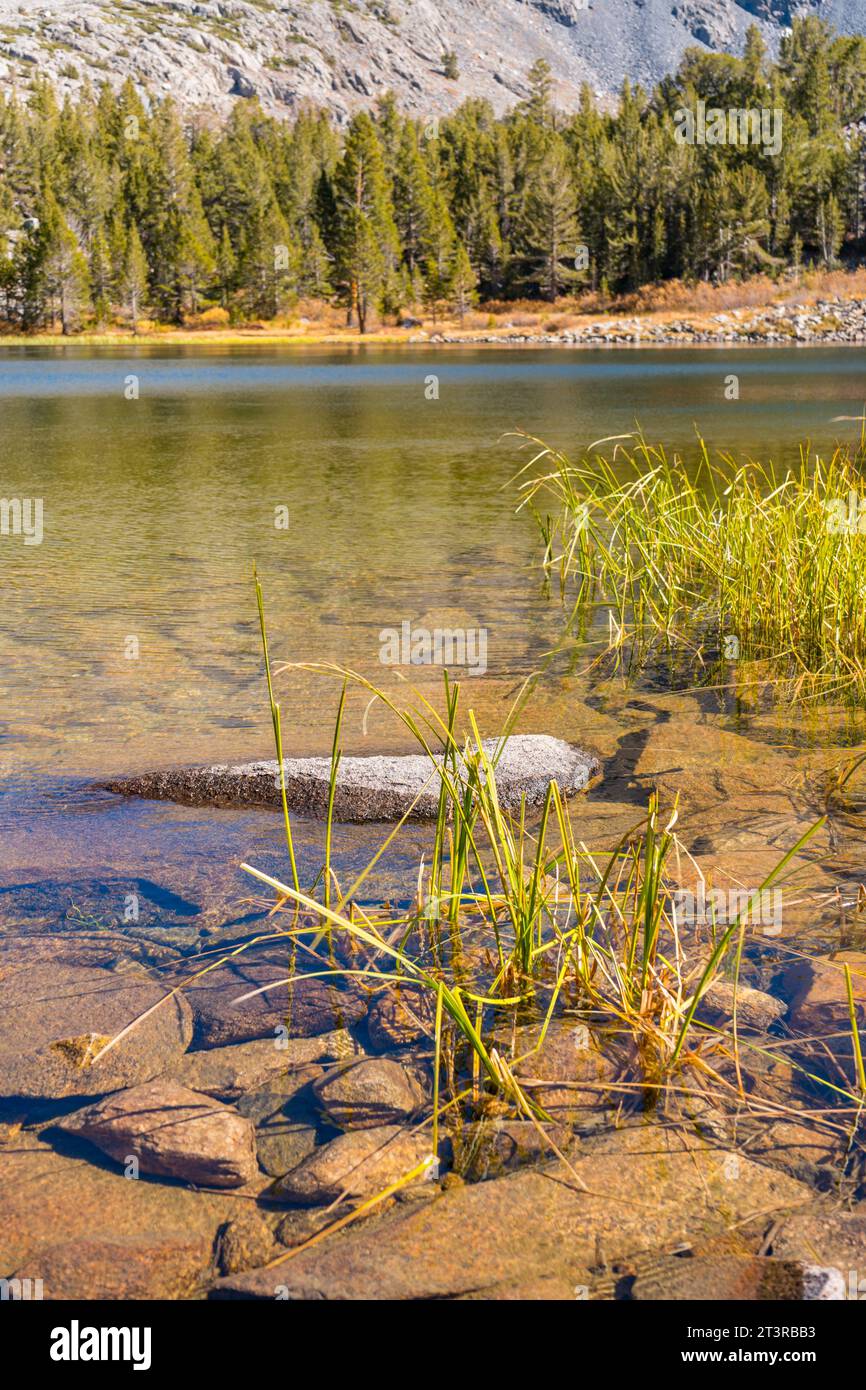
(359, 1164)
(377, 788)
(362, 1095)
(54, 1019)
(173, 1132)
(209, 54)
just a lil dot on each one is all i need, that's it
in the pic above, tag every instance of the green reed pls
(766, 564)
(557, 920)
(555, 925)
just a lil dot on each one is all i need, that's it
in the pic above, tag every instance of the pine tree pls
(550, 230)
(464, 282)
(367, 245)
(440, 245)
(314, 268)
(754, 60)
(830, 231)
(267, 263)
(133, 281)
(226, 267)
(539, 106)
(175, 233)
(743, 227)
(56, 269)
(414, 213)
(101, 280)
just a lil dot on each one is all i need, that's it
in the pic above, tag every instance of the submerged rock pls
(174, 1265)
(717, 1278)
(819, 994)
(756, 1011)
(285, 1119)
(374, 1091)
(805, 1150)
(88, 1232)
(358, 1164)
(819, 1010)
(282, 1143)
(488, 1148)
(55, 1019)
(172, 1132)
(305, 1008)
(230, 1072)
(649, 1188)
(823, 1235)
(566, 1075)
(245, 1242)
(299, 1224)
(69, 945)
(375, 788)
(401, 1016)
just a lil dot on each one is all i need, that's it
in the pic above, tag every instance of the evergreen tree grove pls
(117, 210)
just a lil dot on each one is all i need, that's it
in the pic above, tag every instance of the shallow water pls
(399, 509)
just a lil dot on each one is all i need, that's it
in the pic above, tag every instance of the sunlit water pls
(400, 509)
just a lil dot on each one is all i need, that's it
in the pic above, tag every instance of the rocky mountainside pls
(344, 53)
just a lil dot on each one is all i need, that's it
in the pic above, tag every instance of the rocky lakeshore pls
(203, 1154)
(826, 321)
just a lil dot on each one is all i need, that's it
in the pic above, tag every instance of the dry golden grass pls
(314, 321)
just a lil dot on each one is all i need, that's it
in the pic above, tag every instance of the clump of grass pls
(514, 919)
(747, 562)
(549, 925)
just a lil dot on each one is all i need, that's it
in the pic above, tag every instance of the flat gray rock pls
(227, 1073)
(377, 788)
(224, 1015)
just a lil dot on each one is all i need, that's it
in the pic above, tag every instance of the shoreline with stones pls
(176, 1125)
(829, 321)
(199, 1155)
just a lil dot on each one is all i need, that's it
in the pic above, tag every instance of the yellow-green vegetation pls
(515, 921)
(724, 561)
(515, 917)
